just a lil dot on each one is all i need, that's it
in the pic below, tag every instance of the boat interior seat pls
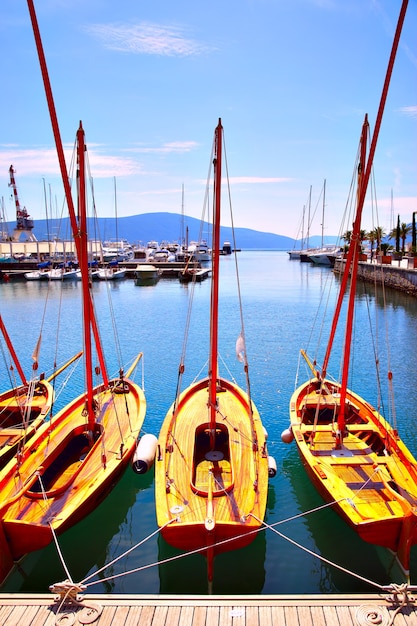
(10, 436)
(63, 469)
(11, 416)
(211, 458)
(326, 415)
(221, 471)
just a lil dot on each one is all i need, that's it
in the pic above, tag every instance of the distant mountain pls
(163, 227)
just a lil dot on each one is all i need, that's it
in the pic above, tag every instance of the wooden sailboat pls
(72, 461)
(353, 456)
(211, 472)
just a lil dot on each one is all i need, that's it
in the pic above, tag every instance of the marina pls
(167, 269)
(165, 483)
(281, 298)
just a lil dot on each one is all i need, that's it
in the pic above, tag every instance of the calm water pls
(280, 302)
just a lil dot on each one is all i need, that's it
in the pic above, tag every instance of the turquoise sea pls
(281, 299)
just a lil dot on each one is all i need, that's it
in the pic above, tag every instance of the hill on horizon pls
(163, 227)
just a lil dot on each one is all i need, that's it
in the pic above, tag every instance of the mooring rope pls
(319, 556)
(55, 539)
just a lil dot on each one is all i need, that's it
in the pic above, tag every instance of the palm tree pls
(346, 238)
(379, 235)
(363, 236)
(404, 231)
(371, 237)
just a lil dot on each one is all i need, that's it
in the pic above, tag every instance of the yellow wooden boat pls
(353, 456)
(211, 471)
(368, 473)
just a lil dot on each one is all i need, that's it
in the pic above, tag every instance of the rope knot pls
(67, 591)
(400, 595)
(71, 605)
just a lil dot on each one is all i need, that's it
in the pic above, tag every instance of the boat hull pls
(110, 274)
(147, 274)
(66, 468)
(209, 492)
(371, 479)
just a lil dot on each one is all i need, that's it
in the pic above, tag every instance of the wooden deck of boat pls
(161, 610)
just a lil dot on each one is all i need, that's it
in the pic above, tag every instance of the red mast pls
(64, 173)
(83, 262)
(354, 250)
(214, 309)
(12, 352)
(352, 259)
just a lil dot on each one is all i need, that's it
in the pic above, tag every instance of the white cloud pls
(258, 180)
(35, 162)
(170, 147)
(409, 111)
(147, 38)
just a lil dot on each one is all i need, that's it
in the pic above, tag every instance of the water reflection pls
(238, 572)
(87, 547)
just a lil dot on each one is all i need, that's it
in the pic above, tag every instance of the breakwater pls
(400, 275)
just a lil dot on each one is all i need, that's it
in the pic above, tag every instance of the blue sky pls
(291, 80)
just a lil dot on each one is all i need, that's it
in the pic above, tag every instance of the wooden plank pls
(291, 615)
(159, 616)
(5, 611)
(252, 616)
(225, 616)
(133, 616)
(277, 615)
(186, 615)
(31, 616)
(212, 618)
(12, 615)
(199, 618)
(330, 614)
(106, 617)
(344, 615)
(265, 616)
(120, 616)
(317, 616)
(146, 616)
(173, 617)
(304, 615)
(43, 616)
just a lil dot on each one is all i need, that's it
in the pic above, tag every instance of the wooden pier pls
(169, 269)
(170, 610)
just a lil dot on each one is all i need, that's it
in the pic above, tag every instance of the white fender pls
(145, 454)
(272, 467)
(287, 435)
